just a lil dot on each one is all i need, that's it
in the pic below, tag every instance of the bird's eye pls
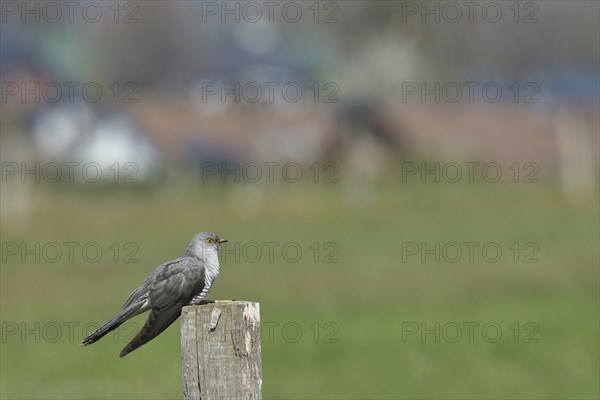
(210, 240)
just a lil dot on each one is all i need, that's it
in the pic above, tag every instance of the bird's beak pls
(222, 241)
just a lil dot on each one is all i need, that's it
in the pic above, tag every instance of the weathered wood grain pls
(220, 347)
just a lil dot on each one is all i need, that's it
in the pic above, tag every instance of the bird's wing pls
(177, 283)
(143, 290)
(158, 321)
(174, 287)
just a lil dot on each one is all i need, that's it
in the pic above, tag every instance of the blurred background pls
(367, 142)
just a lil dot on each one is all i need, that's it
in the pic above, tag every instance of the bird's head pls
(205, 243)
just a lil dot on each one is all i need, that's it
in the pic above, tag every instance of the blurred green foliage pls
(367, 295)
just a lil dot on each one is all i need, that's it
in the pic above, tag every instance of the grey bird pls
(170, 287)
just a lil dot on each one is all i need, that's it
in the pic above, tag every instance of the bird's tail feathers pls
(129, 312)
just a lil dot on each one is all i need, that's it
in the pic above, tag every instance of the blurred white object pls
(56, 130)
(116, 143)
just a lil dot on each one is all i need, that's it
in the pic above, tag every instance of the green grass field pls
(353, 314)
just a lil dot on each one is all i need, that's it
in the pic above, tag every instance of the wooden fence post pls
(220, 347)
